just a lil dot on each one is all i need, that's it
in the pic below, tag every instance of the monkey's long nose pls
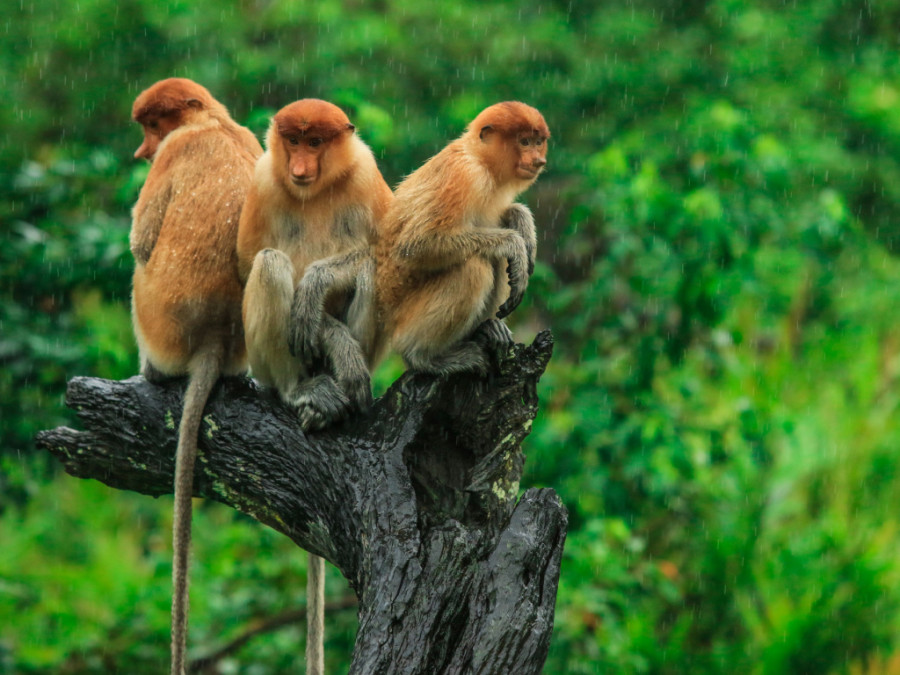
(538, 162)
(302, 174)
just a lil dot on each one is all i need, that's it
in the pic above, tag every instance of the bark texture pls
(415, 502)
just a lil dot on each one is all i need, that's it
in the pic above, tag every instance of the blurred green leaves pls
(717, 231)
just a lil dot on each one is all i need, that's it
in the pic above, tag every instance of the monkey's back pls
(188, 294)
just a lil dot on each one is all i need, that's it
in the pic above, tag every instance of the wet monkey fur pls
(186, 300)
(305, 252)
(455, 250)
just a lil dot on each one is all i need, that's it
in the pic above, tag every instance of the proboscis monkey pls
(455, 250)
(305, 251)
(186, 301)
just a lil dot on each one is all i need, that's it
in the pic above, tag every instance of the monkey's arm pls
(146, 221)
(432, 252)
(339, 273)
(519, 218)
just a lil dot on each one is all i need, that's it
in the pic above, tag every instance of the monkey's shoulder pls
(205, 148)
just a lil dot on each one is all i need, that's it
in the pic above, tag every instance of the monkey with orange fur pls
(456, 250)
(305, 251)
(186, 299)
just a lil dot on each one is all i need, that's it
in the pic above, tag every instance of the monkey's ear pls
(350, 127)
(485, 130)
(194, 103)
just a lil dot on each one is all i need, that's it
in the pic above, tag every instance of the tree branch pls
(414, 502)
(261, 626)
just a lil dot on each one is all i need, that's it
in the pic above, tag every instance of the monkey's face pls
(304, 159)
(511, 140)
(312, 162)
(155, 130)
(531, 151)
(305, 138)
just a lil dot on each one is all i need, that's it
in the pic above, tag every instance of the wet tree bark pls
(414, 502)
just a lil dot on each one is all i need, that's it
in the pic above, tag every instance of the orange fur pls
(184, 229)
(317, 199)
(441, 263)
(186, 292)
(302, 193)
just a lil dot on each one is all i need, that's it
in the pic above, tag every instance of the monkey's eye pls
(525, 142)
(153, 125)
(315, 142)
(293, 140)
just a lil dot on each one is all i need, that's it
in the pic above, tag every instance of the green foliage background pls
(719, 226)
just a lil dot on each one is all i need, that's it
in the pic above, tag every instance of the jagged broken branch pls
(415, 502)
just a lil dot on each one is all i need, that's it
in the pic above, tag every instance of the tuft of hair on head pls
(311, 117)
(171, 96)
(509, 118)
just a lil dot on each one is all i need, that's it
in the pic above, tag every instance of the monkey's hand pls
(518, 217)
(518, 277)
(305, 340)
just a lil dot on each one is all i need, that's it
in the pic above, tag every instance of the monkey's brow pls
(325, 132)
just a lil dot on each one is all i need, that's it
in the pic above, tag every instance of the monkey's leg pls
(152, 374)
(463, 357)
(347, 362)
(319, 402)
(266, 311)
(436, 322)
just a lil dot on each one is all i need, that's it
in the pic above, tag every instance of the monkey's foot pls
(493, 333)
(304, 339)
(464, 357)
(153, 375)
(320, 402)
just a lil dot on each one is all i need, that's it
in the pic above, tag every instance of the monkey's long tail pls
(315, 616)
(204, 371)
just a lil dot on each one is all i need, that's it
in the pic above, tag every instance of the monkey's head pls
(511, 139)
(310, 143)
(167, 105)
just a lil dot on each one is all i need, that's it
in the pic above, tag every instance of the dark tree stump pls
(414, 502)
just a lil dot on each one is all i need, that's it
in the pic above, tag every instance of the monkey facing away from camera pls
(305, 251)
(455, 250)
(186, 300)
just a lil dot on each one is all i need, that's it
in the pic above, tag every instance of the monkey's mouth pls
(303, 181)
(528, 171)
